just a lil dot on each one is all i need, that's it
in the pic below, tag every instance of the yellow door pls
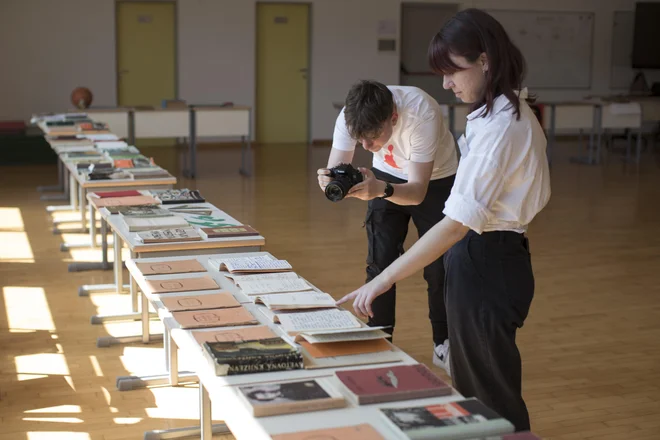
(146, 56)
(282, 63)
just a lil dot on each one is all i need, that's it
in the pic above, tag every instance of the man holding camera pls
(414, 163)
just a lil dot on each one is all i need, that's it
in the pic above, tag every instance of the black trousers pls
(488, 292)
(387, 227)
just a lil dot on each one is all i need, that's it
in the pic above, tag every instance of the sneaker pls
(441, 356)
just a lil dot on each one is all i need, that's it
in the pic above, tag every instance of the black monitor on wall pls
(646, 37)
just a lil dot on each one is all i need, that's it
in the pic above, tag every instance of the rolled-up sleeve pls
(479, 182)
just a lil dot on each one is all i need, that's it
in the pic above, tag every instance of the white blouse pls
(503, 178)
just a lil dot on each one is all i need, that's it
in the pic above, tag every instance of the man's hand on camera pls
(369, 188)
(324, 178)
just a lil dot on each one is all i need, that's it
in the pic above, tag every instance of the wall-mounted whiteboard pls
(557, 46)
(622, 73)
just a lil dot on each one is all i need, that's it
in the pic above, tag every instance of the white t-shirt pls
(503, 179)
(420, 135)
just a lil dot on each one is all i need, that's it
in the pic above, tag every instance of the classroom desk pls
(138, 250)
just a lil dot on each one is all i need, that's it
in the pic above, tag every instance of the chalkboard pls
(557, 46)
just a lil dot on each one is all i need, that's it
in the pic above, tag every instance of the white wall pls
(47, 48)
(50, 47)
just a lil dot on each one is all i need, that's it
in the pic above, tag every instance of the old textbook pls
(272, 399)
(244, 265)
(214, 318)
(358, 432)
(182, 284)
(172, 266)
(200, 302)
(463, 419)
(240, 334)
(229, 358)
(388, 384)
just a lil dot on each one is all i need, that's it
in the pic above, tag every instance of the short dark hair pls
(368, 105)
(470, 33)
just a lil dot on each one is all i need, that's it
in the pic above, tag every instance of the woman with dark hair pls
(502, 183)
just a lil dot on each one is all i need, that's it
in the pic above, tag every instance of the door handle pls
(123, 71)
(303, 70)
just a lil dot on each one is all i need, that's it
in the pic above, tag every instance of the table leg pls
(205, 413)
(92, 265)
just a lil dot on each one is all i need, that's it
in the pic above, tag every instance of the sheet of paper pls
(262, 276)
(273, 286)
(321, 320)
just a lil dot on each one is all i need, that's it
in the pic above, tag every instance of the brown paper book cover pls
(229, 231)
(200, 302)
(255, 333)
(214, 318)
(168, 267)
(346, 348)
(124, 201)
(363, 431)
(182, 284)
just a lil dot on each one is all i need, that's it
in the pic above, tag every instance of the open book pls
(260, 264)
(332, 319)
(265, 286)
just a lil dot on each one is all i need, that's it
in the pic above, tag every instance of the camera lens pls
(335, 191)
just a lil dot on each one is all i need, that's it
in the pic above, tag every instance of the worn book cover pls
(403, 382)
(358, 432)
(168, 235)
(168, 267)
(136, 224)
(214, 318)
(182, 284)
(200, 302)
(229, 358)
(272, 399)
(345, 348)
(463, 419)
(124, 201)
(172, 196)
(144, 211)
(126, 193)
(243, 334)
(228, 231)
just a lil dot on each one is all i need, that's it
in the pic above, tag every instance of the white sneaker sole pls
(439, 363)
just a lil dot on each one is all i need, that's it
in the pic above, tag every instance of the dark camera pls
(344, 178)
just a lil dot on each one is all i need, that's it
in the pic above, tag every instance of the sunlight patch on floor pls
(27, 308)
(60, 435)
(56, 409)
(15, 248)
(54, 419)
(42, 363)
(11, 219)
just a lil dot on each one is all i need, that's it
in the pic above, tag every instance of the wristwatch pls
(389, 190)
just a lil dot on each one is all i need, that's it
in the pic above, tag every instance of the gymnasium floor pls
(591, 345)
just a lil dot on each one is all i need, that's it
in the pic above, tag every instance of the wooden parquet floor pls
(590, 347)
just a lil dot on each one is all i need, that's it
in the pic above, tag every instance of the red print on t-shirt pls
(389, 158)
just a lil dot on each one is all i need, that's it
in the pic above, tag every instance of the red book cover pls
(127, 193)
(375, 385)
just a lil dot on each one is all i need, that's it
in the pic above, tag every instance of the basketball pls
(81, 97)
